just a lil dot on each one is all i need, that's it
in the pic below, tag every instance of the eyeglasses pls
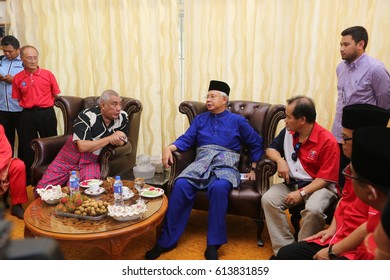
(346, 138)
(347, 172)
(32, 58)
(212, 97)
(294, 155)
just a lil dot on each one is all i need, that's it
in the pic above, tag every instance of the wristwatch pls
(332, 255)
(302, 192)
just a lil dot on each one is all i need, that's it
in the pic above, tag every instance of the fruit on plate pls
(80, 204)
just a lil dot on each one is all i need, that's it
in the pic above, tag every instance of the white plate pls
(152, 192)
(84, 184)
(131, 194)
(98, 192)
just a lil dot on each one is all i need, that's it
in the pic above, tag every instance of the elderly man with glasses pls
(35, 88)
(307, 156)
(217, 136)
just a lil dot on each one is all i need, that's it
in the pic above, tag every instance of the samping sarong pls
(212, 161)
(69, 158)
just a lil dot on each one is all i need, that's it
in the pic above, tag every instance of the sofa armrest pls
(111, 152)
(45, 149)
(180, 161)
(192, 108)
(265, 169)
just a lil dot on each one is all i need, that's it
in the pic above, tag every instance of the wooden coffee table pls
(108, 234)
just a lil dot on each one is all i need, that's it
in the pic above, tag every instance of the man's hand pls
(283, 170)
(118, 138)
(251, 176)
(322, 254)
(293, 198)
(6, 78)
(167, 156)
(323, 234)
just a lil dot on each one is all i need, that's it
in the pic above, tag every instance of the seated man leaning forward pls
(93, 129)
(217, 135)
(307, 156)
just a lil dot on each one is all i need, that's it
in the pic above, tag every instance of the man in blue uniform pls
(10, 65)
(217, 135)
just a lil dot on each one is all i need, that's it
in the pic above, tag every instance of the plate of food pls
(85, 183)
(152, 192)
(99, 191)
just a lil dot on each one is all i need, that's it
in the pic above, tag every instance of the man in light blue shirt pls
(10, 65)
(361, 80)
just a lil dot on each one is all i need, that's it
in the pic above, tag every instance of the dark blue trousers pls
(179, 209)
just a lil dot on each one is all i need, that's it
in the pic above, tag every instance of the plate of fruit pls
(82, 207)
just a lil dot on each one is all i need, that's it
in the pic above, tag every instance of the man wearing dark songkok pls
(370, 164)
(217, 136)
(368, 171)
(351, 212)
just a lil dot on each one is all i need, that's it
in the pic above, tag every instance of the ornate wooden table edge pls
(112, 242)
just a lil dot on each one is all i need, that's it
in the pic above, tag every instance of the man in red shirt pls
(369, 173)
(307, 157)
(16, 175)
(35, 88)
(351, 212)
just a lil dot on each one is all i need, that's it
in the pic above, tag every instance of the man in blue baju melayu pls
(217, 135)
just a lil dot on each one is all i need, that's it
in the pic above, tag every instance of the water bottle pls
(73, 183)
(118, 195)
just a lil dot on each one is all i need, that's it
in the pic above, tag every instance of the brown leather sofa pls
(113, 160)
(246, 200)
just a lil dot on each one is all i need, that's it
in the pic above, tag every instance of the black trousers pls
(10, 122)
(300, 251)
(34, 123)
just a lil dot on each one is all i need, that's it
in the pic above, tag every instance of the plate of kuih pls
(152, 192)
